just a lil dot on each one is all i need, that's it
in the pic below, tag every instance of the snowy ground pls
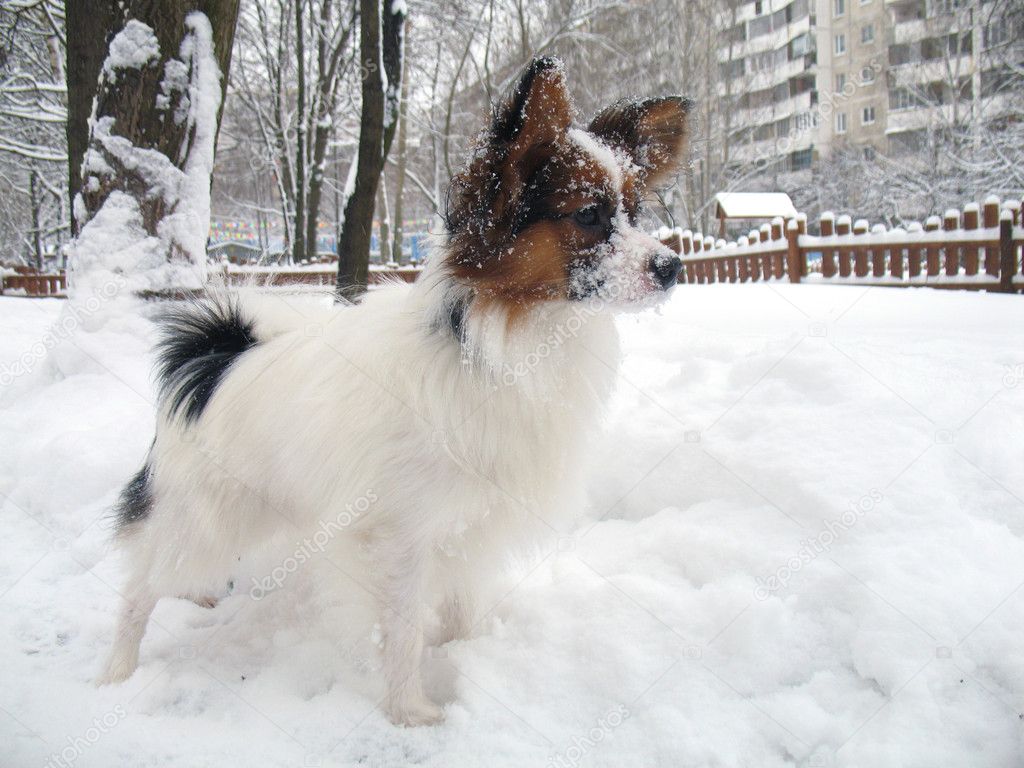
(804, 546)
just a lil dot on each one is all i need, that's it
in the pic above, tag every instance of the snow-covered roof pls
(754, 205)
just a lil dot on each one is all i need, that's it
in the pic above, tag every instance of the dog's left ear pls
(652, 132)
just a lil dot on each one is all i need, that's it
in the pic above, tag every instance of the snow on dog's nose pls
(665, 266)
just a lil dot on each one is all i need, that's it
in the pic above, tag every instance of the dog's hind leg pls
(124, 656)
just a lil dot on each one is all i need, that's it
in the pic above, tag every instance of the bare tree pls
(294, 57)
(381, 24)
(34, 214)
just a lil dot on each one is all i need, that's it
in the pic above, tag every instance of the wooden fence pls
(55, 285)
(979, 249)
(35, 285)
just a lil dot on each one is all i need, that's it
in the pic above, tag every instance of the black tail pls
(200, 342)
(136, 499)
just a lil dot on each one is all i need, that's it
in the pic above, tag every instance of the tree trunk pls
(149, 104)
(380, 39)
(385, 224)
(35, 202)
(93, 23)
(403, 109)
(299, 245)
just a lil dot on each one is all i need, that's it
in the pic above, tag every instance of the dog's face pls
(547, 211)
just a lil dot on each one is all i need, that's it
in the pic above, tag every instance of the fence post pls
(950, 223)
(843, 228)
(971, 249)
(878, 253)
(709, 265)
(932, 224)
(801, 229)
(860, 255)
(896, 259)
(744, 261)
(1007, 252)
(914, 252)
(990, 221)
(687, 272)
(828, 259)
(793, 251)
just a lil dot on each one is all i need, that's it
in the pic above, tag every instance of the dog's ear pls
(527, 126)
(537, 110)
(652, 132)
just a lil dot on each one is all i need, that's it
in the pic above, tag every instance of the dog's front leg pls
(404, 570)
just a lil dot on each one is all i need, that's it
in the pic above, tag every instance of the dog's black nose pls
(666, 269)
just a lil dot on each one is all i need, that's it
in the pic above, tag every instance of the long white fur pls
(465, 448)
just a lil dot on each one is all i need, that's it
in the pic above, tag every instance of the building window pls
(800, 160)
(995, 34)
(942, 7)
(867, 116)
(840, 7)
(840, 122)
(867, 33)
(840, 44)
(902, 98)
(867, 75)
(840, 83)
(758, 26)
(758, 8)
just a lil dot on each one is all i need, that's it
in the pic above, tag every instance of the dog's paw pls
(411, 714)
(115, 672)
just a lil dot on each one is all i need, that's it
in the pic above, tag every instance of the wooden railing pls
(35, 285)
(979, 249)
(55, 285)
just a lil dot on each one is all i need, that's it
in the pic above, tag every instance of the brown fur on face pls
(514, 230)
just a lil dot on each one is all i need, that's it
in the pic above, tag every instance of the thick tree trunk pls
(156, 113)
(93, 23)
(132, 98)
(380, 39)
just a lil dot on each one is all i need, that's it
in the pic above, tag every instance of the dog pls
(456, 410)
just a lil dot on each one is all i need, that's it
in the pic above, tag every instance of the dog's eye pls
(588, 217)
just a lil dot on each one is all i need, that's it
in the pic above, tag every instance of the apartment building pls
(804, 77)
(853, 41)
(950, 63)
(768, 87)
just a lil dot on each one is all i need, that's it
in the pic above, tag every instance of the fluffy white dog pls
(454, 409)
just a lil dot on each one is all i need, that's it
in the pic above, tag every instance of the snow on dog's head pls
(548, 211)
